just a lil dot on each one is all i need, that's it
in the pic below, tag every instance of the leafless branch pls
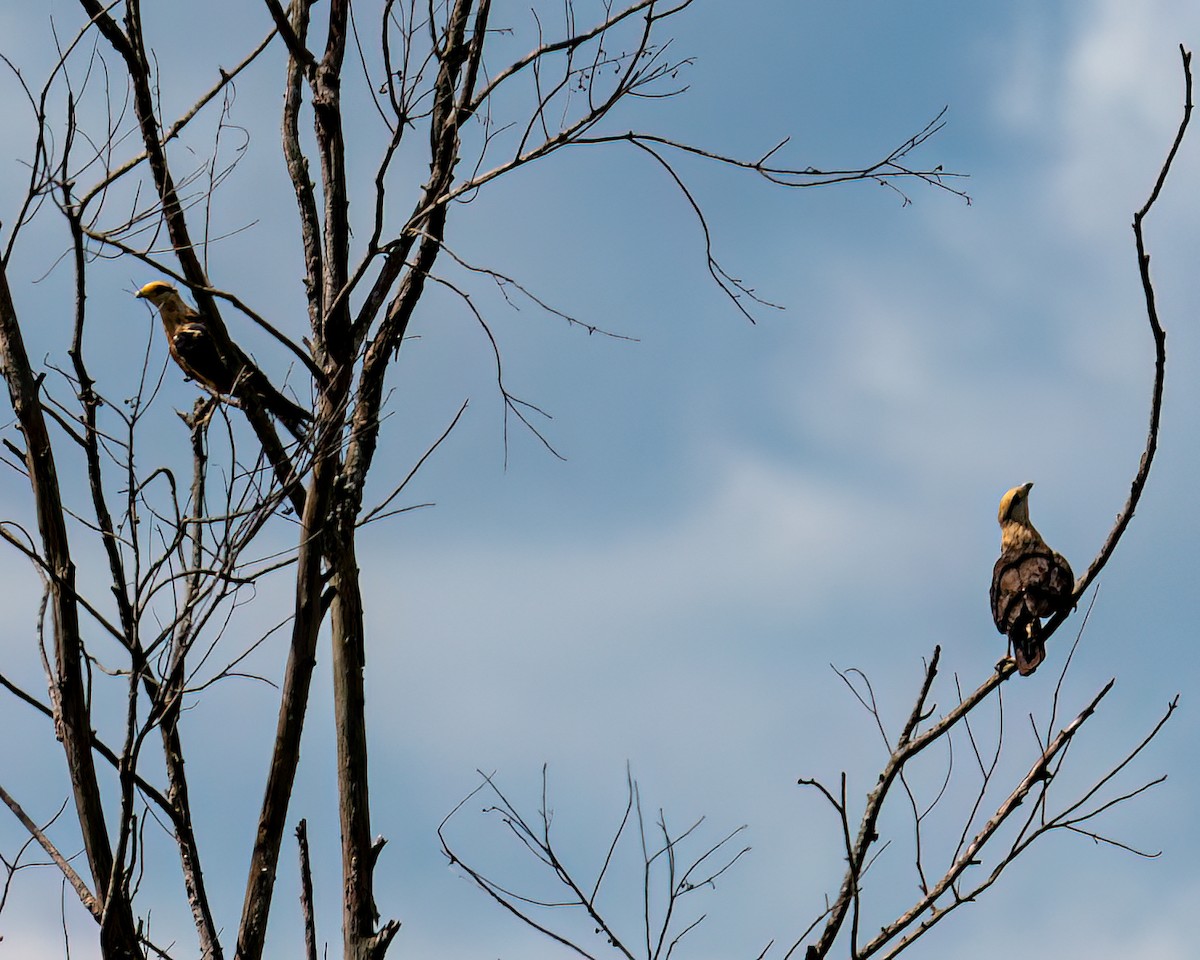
(1160, 352)
(86, 897)
(666, 875)
(306, 893)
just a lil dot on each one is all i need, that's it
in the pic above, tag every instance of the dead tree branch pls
(179, 560)
(1160, 352)
(667, 876)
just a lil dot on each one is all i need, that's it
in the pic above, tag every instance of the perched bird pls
(1030, 581)
(204, 352)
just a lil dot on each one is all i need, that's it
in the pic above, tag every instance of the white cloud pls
(1101, 97)
(1120, 103)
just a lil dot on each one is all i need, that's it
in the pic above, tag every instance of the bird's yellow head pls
(156, 292)
(1014, 505)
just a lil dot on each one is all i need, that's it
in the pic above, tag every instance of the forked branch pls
(848, 896)
(668, 875)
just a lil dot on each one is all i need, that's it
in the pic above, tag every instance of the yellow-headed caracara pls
(1030, 581)
(210, 358)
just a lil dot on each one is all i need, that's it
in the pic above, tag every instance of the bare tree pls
(178, 538)
(998, 813)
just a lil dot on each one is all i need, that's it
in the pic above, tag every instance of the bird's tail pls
(1029, 649)
(293, 416)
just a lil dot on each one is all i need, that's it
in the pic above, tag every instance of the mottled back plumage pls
(1029, 582)
(207, 355)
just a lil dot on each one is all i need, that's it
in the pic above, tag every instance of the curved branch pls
(909, 745)
(1160, 355)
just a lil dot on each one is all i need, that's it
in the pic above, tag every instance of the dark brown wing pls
(229, 372)
(1027, 585)
(193, 348)
(1048, 582)
(1061, 584)
(291, 415)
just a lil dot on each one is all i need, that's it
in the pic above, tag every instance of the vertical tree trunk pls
(260, 883)
(349, 661)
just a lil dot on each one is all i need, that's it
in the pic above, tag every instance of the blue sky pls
(741, 506)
